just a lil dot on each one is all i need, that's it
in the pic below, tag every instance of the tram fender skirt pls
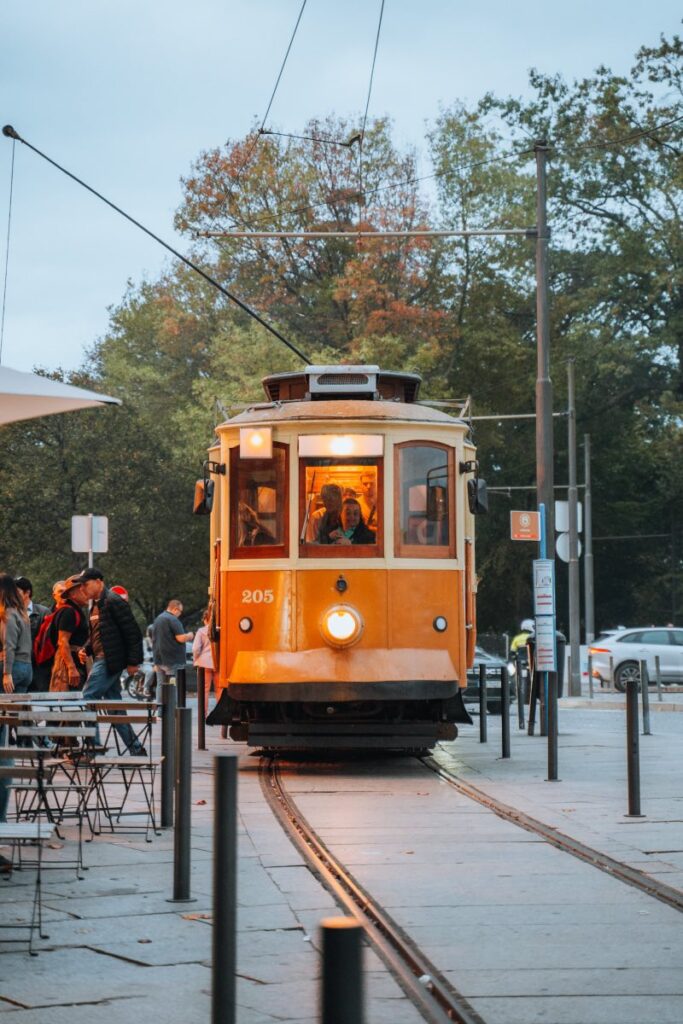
(455, 710)
(225, 712)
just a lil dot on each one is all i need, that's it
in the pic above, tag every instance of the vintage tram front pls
(343, 577)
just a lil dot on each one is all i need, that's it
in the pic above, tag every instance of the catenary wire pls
(11, 133)
(9, 223)
(258, 134)
(510, 157)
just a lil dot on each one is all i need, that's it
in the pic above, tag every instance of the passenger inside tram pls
(251, 531)
(340, 498)
(353, 528)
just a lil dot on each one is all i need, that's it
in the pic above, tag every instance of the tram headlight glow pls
(341, 625)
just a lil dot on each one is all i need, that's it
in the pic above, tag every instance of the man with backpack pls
(115, 644)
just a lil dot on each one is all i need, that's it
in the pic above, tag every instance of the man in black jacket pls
(115, 643)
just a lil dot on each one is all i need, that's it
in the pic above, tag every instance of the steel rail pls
(429, 991)
(616, 868)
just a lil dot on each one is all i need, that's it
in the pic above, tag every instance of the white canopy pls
(23, 396)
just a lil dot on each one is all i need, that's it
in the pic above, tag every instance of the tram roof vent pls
(326, 383)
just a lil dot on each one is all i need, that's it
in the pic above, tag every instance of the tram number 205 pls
(257, 597)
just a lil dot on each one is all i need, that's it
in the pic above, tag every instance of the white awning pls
(24, 396)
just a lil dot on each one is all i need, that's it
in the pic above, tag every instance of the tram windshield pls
(425, 475)
(341, 505)
(259, 501)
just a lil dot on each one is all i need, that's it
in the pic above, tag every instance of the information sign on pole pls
(544, 610)
(525, 526)
(90, 533)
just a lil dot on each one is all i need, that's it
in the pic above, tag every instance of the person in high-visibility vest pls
(526, 629)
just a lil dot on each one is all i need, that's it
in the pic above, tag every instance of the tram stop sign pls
(525, 525)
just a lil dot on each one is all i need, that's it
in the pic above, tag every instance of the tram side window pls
(259, 501)
(341, 504)
(425, 501)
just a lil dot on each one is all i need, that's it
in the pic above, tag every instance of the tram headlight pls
(341, 625)
(246, 624)
(440, 624)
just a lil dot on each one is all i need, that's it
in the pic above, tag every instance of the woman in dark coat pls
(353, 529)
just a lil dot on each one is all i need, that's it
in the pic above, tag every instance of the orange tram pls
(343, 579)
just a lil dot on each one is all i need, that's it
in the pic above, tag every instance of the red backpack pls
(44, 646)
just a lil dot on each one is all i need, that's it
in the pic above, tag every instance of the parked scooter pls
(134, 684)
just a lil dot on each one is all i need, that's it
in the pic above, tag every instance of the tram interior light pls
(341, 446)
(256, 443)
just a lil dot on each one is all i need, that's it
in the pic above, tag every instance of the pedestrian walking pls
(67, 635)
(202, 657)
(15, 637)
(115, 644)
(168, 642)
(36, 613)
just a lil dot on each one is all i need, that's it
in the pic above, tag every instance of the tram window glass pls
(340, 507)
(424, 481)
(258, 507)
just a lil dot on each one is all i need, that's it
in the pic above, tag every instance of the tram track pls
(602, 861)
(431, 993)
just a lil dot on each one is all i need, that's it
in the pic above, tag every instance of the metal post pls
(552, 726)
(181, 683)
(658, 677)
(544, 390)
(588, 599)
(183, 807)
(342, 973)
(590, 677)
(482, 704)
(520, 693)
(574, 681)
(611, 672)
(645, 691)
(505, 711)
(201, 713)
(224, 936)
(168, 708)
(632, 755)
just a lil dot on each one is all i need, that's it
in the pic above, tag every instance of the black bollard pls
(482, 704)
(342, 974)
(519, 687)
(505, 710)
(181, 683)
(201, 714)
(645, 694)
(183, 807)
(552, 727)
(168, 708)
(632, 754)
(224, 939)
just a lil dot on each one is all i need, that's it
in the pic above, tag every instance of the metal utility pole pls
(544, 388)
(589, 607)
(574, 686)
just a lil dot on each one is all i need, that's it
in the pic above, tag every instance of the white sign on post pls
(544, 609)
(562, 516)
(90, 533)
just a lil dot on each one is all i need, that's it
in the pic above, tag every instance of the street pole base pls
(181, 899)
(635, 815)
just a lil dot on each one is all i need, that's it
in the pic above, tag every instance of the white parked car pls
(628, 647)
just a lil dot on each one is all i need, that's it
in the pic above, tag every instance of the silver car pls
(628, 647)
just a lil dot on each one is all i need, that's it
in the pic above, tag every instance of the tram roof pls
(342, 409)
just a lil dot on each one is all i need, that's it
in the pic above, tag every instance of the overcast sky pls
(127, 93)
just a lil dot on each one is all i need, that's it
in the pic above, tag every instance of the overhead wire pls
(260, 131)
(9, 223)
(505, 158)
